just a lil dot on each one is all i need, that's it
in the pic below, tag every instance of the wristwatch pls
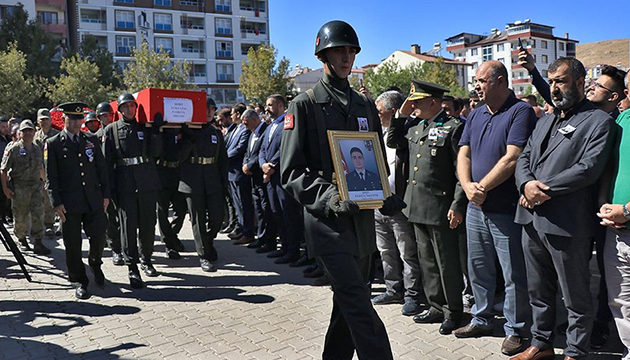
(626, 212)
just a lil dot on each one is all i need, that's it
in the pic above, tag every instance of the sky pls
(389, 25)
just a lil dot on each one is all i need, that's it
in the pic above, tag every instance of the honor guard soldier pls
(105, 114)
(130, 148)
(204, 182)
(340, 235)
(169, 171)
(436, 200)
(91, 122)
(46, 131)
(78, 186)
(22, 175)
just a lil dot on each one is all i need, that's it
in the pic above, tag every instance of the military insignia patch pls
(288, 122)
(214, 139)
(317, 41)
(433, 152)
(363, 124)
(413, 88)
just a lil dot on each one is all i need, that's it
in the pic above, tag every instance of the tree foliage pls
(19, 90)
(149, 68)
(390, 73)
(261, 77)
(77, 82)
(90, 50)
(36, 44)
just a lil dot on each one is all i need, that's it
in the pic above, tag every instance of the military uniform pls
(77, 179)
(113, 225)
(24, 165)
(204, 181)
(432, 190)
(49, 214)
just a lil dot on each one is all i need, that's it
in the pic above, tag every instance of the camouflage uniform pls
(40, 140)
(24, 166)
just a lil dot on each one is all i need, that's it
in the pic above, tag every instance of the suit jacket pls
(76, 174)
(371, 181)
(253, 150)
(570, 165)
(236, 144)
(270, 147)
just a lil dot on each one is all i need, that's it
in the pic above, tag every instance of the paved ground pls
(249, 309)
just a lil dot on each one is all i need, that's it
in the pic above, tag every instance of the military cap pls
(4, 119)
(73, 110)
(26, 124)
(423, 89)
(43, 113)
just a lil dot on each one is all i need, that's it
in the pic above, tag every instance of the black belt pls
(203, 161)
(168, 164)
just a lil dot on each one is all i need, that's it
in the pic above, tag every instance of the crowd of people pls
(497, 204)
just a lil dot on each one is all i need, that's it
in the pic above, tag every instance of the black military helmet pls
(336, 33)
(91, 116)
(125, 98)
(104, 108)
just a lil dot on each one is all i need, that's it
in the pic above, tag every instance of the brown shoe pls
(472, 330)
(534, 353)
(512, 345)
(244, 240)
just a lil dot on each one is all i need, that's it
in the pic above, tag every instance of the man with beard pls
(556, 175)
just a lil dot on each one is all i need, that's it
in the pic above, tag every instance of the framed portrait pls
(360, 169)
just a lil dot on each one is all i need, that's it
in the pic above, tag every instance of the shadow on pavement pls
(53, 351)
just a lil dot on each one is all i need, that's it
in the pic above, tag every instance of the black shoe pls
(117, 259)
(177, 245)
(302, 261)
(411, 307)
(99, 277)
(286, 259)
(447, 327)
(472, 330)
(428, 317)
(148, 269)
(206, 265)
(236, 234)
(599, 335)
(134, 279)
(228, 229)
(49, 231)
(24, 246)
(172, 254)
(315, 273)
(58, 231)
(322, 281)
(265, 249)
(310, 269)
(81, 293)
(255, 244)
(276, 254)
(40, 249)
(387, 298)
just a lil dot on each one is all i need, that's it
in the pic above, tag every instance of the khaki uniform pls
(24, 165)
(40, 140)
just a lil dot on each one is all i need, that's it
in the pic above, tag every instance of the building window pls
(245, 48)
(223, 26)
(93, 16)
(501, 60)
(163, 22)
(561, 45)
(531, 43)
(199, 70)
(191, 23)
(543, 44)
(570, 47)
(475, 66)
(164, 44)
(545, 73)
(225, 72)
(124, 1)
(189, 2)
(222, 5)
(125, 19)
(473, 52)
(545, 59)
(162, 2)
(125, 44)
(224, 49)
(47, 17)
(500, 47)
(487, 52)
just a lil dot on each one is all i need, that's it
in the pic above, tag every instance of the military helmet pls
(336, 33)
(103, 108)
(125, 98)
(91, 116)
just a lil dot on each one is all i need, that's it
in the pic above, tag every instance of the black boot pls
(134, 277)
(39, 248)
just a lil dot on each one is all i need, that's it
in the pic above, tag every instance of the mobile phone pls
(520, 43)
(361, 82)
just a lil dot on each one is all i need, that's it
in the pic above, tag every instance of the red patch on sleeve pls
(288, 122)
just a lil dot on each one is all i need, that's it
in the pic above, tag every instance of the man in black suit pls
(361, 178)
(78, 186)
(556, 175)
(251, 168)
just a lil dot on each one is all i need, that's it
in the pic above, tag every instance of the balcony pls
(253, 8)
(60, 3)
(253, 30)
(56, 29)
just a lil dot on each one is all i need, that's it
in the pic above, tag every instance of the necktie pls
(75, 139)
(361, 176)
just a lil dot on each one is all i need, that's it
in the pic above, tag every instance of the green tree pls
(439, 73)
(261, 77)
(90, 50)
(77, 82)
(38, 46)
(19, 90)
(148, 68)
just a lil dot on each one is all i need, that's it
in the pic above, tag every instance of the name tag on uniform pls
(89, 145)
(566, 130)
(214, 139)
(22, 152)
(363, 124)
(433, 134)
(140, 135)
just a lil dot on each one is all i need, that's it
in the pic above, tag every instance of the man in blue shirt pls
(494, 136)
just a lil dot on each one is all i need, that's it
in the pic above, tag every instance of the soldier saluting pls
(78, 187)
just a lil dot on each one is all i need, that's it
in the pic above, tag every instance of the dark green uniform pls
(342, 245)
(77, 179)
(113, 225)
(40, 139)
(432, 190)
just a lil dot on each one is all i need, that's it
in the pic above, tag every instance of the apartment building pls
(502, 45)
(214, 35)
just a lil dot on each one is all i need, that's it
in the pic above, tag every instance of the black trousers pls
(267, 231)
(113, 228)
(136, 212)
(552, 260)
(439, 254)
(170, 229)
(93, 224)
(354, 324)
(206, 216)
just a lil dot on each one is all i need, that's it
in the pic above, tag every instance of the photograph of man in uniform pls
(360, 178)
